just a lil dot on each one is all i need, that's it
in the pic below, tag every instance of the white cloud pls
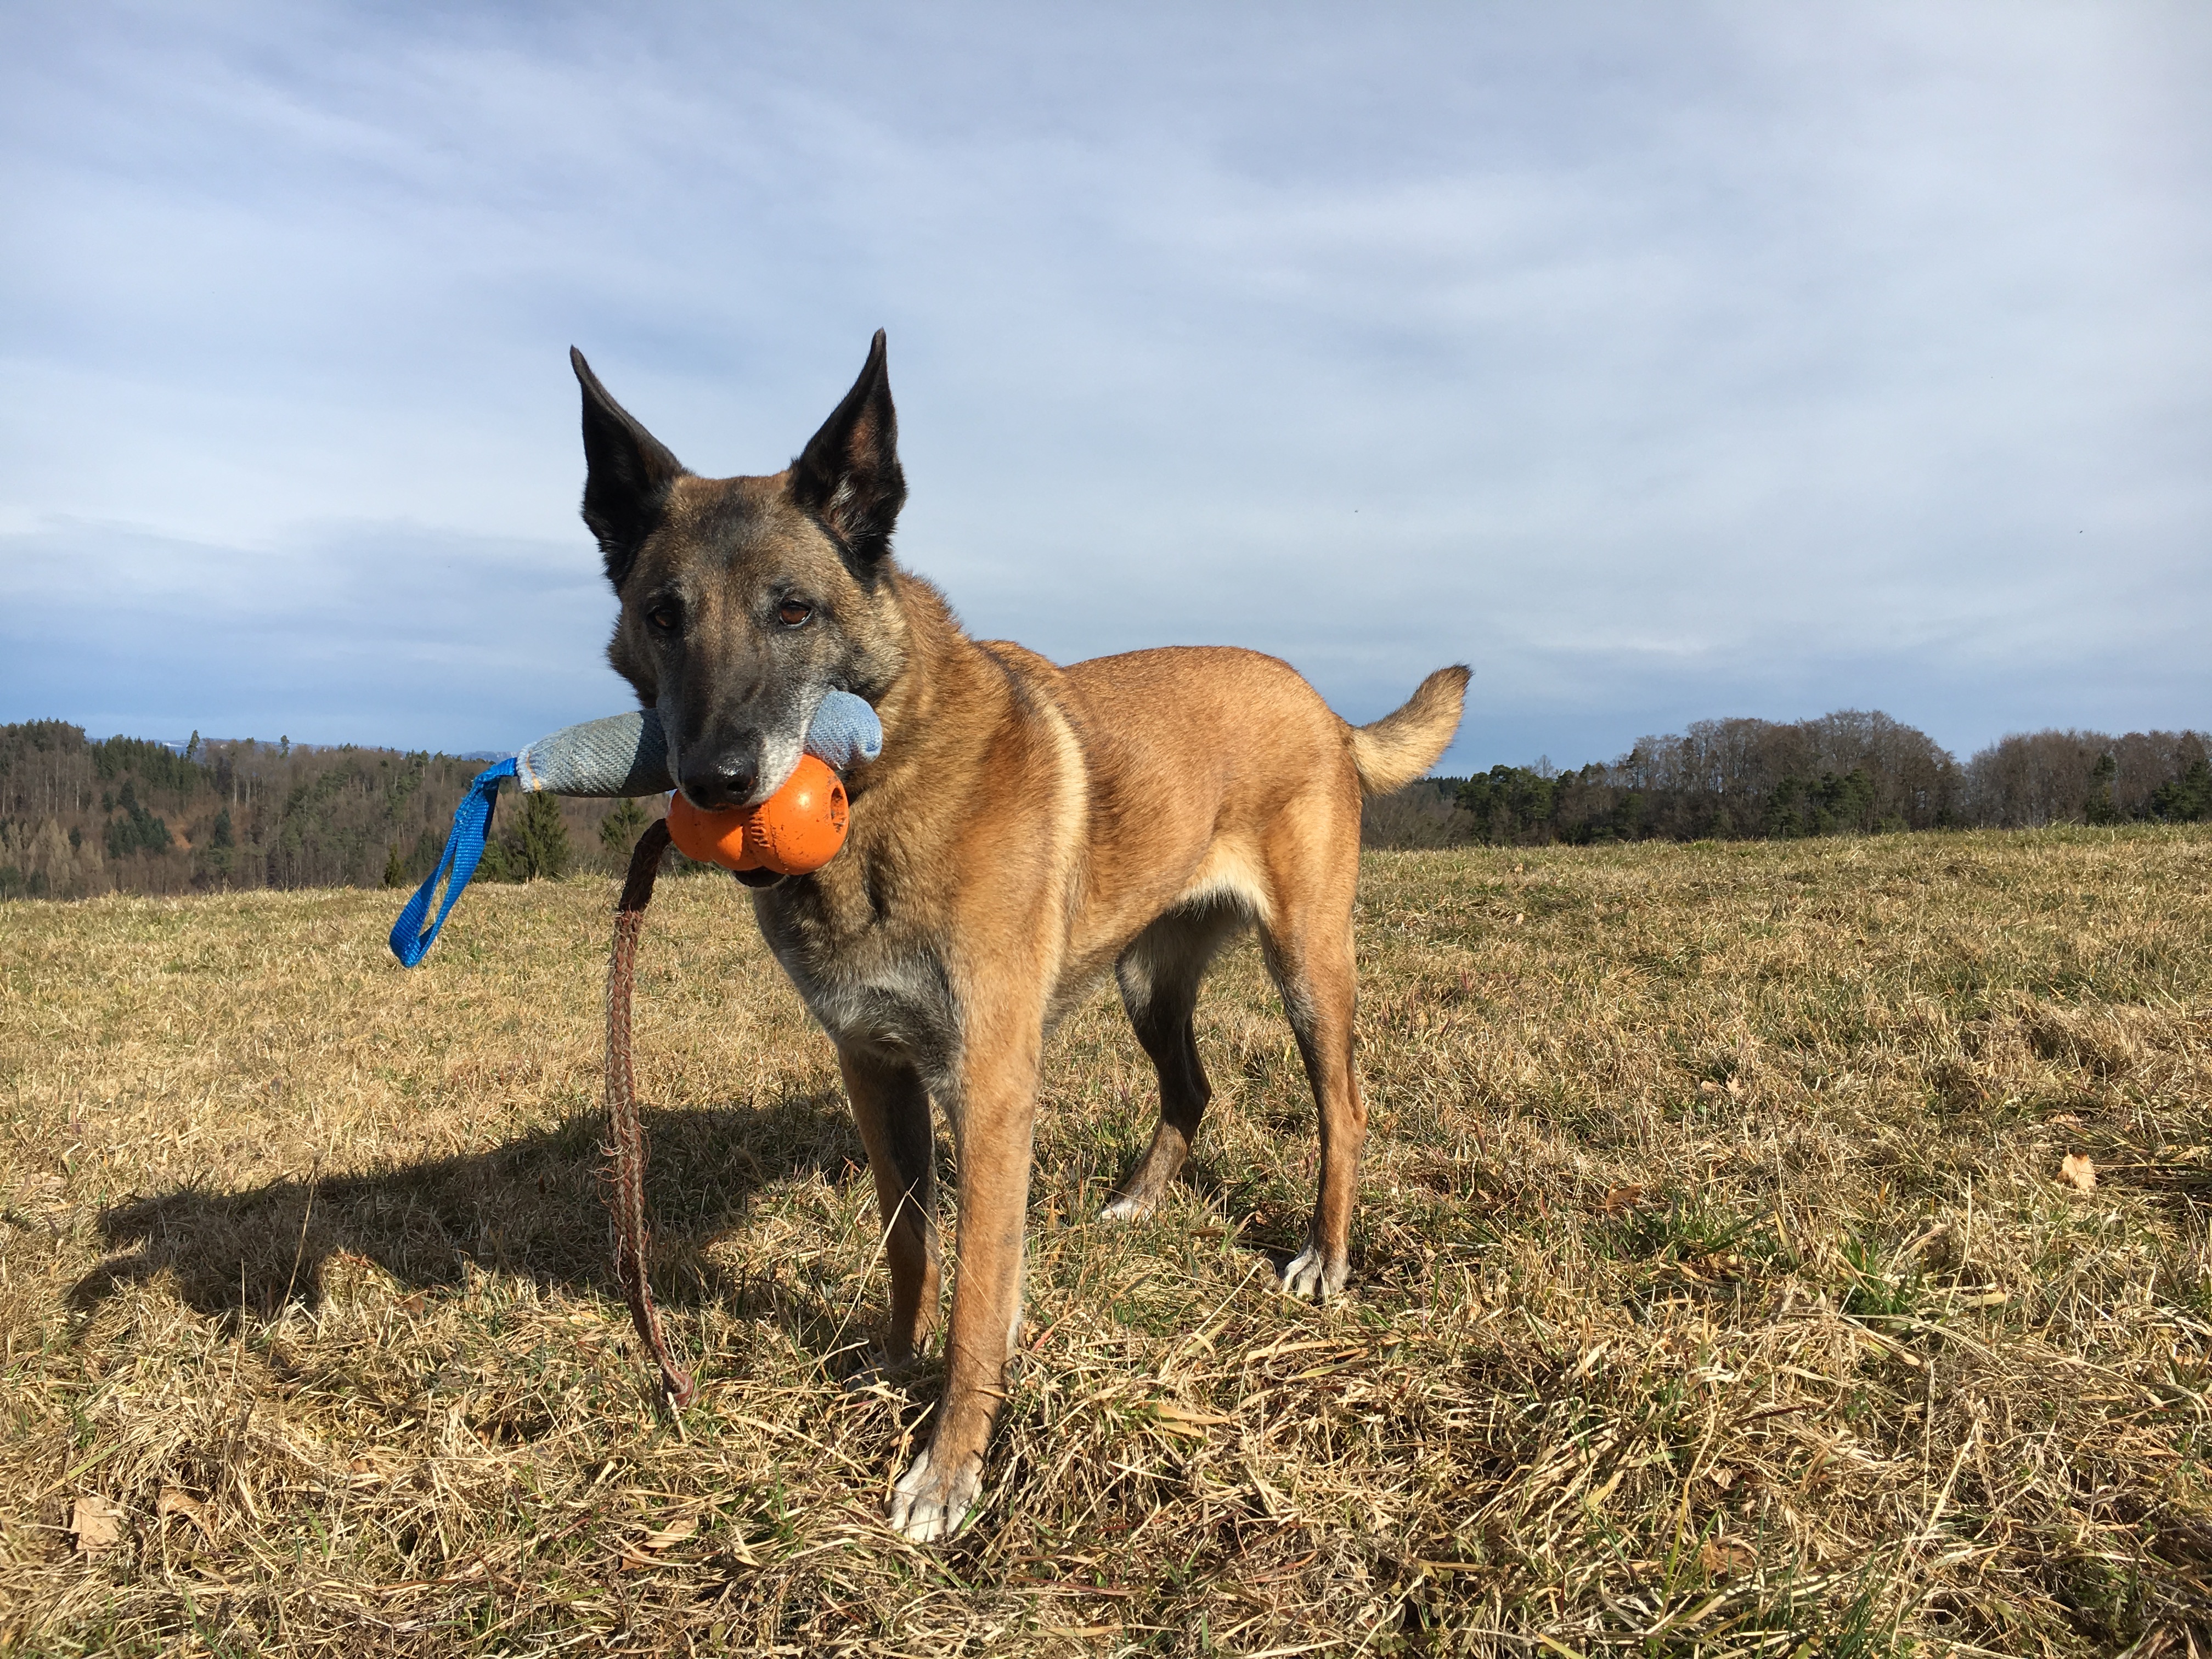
(1734, 359)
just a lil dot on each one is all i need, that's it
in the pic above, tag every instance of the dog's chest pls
(872, 979)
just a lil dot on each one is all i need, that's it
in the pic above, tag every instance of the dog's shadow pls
(534, 1208)
(530, 1207)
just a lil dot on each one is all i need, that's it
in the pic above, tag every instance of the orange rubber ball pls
(710, 837)
(797, 829)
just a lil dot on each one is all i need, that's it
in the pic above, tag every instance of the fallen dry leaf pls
(1723, 1557)
(2078, 1172)
(175, 1500)
(683, 1527)
(1618, 1200)
(97, 1523)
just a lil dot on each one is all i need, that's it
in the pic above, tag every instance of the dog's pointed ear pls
(627, 473)
(848, 476)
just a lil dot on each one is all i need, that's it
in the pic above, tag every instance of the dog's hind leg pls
(1159, 975)
(1310, 954)
(891, 1107)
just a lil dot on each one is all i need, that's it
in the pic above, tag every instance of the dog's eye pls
(665, 617)
(792, 613)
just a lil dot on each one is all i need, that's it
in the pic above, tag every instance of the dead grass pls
(1714, 1290)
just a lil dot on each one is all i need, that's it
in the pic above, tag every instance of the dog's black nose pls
(722, 776)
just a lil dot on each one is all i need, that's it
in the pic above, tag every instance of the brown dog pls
(1027, 829)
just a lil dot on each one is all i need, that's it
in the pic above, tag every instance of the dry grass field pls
(1716, 1288)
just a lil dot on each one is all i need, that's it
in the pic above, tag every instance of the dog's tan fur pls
(1028, 828)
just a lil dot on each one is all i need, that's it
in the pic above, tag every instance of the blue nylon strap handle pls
(411, 940)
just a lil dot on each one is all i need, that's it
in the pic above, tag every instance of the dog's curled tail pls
(1399, 747)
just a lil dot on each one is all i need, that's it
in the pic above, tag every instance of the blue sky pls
(1661, 361)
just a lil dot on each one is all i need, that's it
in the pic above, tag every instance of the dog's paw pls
(929, 1505)
(1313, 1278)
(1126, 1207)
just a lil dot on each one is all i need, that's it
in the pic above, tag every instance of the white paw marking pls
(927, 1508)
(1125, 1208)
(1312, 1279)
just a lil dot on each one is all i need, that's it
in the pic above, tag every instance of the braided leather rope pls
(625, 1149)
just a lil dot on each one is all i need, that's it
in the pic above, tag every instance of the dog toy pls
(628, 755)
(797, 829)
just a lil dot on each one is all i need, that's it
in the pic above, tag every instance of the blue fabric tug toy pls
(623, 755)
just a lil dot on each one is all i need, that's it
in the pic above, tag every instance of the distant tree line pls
(1848, 773)
(80, 816)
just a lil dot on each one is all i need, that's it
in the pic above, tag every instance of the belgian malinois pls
(1027, 829)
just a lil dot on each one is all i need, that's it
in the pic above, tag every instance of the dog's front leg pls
(992, 1127)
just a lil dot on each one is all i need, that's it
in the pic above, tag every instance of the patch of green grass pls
(1876, 1288)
